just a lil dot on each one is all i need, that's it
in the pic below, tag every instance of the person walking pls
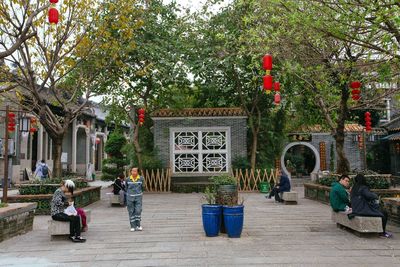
(120, 189)
(134, 194)
(42, 170)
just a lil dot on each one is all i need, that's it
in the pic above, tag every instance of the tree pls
(143, 76)
(55, 72)
(296, 33)
(16, 20)
(228, 72)
(114, 165)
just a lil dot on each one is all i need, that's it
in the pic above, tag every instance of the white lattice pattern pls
(200, 151)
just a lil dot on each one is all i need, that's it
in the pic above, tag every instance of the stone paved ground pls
(273, 235)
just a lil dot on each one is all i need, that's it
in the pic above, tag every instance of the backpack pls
(45, 171)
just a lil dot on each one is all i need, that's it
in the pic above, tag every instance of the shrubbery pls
(48, 186)
(373, 182)
(116, 162)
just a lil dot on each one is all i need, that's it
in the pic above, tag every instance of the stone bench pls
(359, 224)
(114, 199)
(290, 197)
(62, 228)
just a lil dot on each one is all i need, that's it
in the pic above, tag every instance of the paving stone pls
(273, 235)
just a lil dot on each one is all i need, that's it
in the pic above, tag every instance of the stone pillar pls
(40, 144)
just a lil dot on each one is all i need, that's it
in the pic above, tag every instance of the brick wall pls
(238, 129)
(16, 221)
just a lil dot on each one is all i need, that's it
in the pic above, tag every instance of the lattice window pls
(200, 151)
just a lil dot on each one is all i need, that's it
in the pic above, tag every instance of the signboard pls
(300, 137)
(64, 157)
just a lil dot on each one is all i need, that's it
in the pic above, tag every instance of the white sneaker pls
(132, 229)
(140, 228)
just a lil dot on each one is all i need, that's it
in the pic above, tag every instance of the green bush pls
(223, 179)
(3, 205)
(241, 163)
(373, 182)
(114, 165)
(48, 186)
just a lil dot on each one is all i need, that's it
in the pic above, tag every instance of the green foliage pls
(48, 186)
(3, 205)
(223, 179)
(114, 165)
(373, 182)
(115, 142)
(240, 163)
(209, 195)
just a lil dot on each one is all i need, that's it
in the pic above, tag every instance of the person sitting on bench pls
(282, 186)
(338, 197)
(120, 189)
(57, 210)
(365, 203)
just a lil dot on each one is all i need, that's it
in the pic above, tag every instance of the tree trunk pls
(343, 164)
(138, 149)
(253, 151)
(57, 150)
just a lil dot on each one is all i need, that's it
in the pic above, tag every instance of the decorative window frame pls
(200, 150)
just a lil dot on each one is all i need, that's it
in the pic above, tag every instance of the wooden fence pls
(157, 180)
(249, 180)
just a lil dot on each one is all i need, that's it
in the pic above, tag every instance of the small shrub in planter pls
(373, 182)
(48, 186)
(3, 205)
(211, 214)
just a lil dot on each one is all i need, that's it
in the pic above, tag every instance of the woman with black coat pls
(365, 203)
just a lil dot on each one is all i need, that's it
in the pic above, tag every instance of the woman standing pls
(364, 203)
(134, 193)
(57, 210)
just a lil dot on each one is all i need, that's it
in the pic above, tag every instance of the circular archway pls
(311, 147)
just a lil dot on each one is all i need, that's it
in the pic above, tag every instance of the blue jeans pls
(134, 205)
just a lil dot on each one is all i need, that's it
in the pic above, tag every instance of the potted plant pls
(233, 219)
(226, 189)
(211, 214)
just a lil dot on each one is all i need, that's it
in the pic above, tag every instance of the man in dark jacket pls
(338, 197)
(120, 189)
(282, 186)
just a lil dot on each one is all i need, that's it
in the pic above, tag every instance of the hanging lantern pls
(355, 84)
(11, 122)
(53, 15)
(141, 112)
(267, 62)
(267, 83)
(277, 99)
(277, 86)
(355, 92)
(368, 124)
(54, 1)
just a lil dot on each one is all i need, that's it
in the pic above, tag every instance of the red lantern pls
(98, 140)
(267, 82)
(141, 112)
(32, 130)
(368, 121)
(267, 62)
(277, 99)
(54, 1)
(277, 86)
(53, 15)
(355, 93)
(11, 122)
(355, 85)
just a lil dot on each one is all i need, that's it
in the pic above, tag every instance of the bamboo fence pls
(249, 180)
(157, 180)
